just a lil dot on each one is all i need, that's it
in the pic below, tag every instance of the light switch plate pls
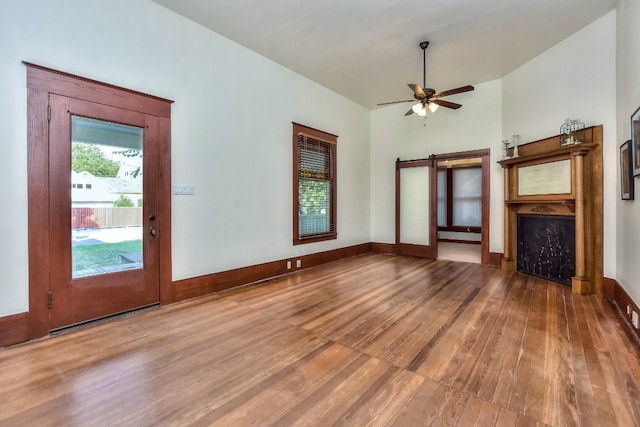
(184, 190)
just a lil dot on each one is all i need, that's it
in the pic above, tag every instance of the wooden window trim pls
(325, 137)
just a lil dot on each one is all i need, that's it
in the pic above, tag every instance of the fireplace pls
(546, 247)
(563, 183)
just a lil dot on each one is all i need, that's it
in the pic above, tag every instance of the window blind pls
(316, 187)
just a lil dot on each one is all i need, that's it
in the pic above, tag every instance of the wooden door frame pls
(42, 81)
(485, 155)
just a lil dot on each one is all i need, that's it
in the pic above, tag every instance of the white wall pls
(628, 90)
(474, 126)
(231, 130)
(240, 163)
(574, 79)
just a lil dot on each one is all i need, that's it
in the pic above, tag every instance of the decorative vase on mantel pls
(516, 139)
(505, 148)
(570, 129)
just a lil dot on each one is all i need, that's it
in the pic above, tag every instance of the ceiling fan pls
(427, 97)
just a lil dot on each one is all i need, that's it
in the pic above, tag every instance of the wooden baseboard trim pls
(609, 288)
(207, 284)
(14, 329)
(495, 259)
(468, 242)
(384, 248)
(620, 299)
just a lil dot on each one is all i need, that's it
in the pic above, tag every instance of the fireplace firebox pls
(546, 247)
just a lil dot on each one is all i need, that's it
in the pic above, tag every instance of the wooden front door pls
(89, 258)
(103, 205)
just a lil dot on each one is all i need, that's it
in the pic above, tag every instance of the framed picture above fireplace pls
(626, 173)
(635, 141)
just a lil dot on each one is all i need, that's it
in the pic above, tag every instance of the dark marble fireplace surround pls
(546, 247)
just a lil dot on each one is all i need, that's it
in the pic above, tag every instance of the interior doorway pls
(441, 213)
(460, 187)
(88, 258)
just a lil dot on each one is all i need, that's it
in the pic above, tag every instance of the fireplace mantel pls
(551, 179)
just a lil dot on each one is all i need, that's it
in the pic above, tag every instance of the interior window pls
(460, 199)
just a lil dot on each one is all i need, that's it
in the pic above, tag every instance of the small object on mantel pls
(570, 128)
(516, 140)
(505, 149)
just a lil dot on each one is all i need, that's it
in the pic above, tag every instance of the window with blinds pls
(314, 185)
(460, 199)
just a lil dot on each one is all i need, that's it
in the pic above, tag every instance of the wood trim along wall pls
(61, 83)
(14, 329)
(495, 259)
(164, 210)
(486, 210)
(207, 284)
(620, 299)
(383, 248)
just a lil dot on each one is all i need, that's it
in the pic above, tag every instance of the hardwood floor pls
(370, 340)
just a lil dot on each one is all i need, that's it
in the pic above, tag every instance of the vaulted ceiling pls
(367, 50)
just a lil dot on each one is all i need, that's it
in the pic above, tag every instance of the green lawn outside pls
(86, 257)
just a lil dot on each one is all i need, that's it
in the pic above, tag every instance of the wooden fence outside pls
(105, 217)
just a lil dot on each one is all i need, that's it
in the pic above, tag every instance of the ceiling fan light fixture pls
(420, 109)
(428, 97)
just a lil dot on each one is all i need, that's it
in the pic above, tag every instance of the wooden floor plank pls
(381, 405)
(369, 340)
(276, 395)
(428, 406)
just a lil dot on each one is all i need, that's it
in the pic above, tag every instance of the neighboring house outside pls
(98, 192)
(90, 191)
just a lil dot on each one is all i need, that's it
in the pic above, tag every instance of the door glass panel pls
(414, 205)
(442, 197)
(106, 197)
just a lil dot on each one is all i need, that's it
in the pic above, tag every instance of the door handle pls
(152, 233)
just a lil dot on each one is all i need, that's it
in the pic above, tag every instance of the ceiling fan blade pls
(453, 91)
(410, 112)
(397, 102)
(417, 90)
(443, 103)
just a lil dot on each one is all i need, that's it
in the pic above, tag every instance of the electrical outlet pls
(298, 263)
(628, 309)
(634, 320)
(288, 265)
